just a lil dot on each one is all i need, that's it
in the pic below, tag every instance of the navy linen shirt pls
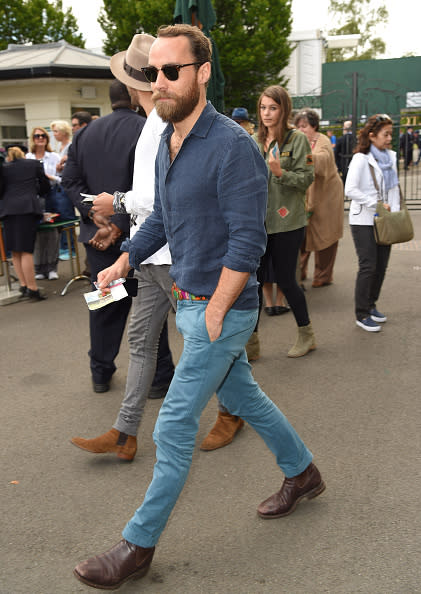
(210, 205)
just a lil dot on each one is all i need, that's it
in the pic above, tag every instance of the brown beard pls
(183, 106)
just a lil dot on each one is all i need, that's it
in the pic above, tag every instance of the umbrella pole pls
(195, 21)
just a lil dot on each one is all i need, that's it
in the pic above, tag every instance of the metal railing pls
(409, 166)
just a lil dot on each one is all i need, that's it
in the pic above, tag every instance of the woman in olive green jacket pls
(288, 156)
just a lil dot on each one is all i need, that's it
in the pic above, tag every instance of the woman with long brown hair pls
(20, 211)
(373, 160)
(288, 156)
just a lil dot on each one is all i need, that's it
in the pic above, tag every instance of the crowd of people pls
(29, 201)
(273, 193)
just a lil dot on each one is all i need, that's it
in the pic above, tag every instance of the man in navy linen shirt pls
(210, 211)
(210, 205)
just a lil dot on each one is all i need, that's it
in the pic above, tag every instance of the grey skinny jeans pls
(149, 312)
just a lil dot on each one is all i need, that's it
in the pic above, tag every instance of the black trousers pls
(283, 249)
(372, 264)
(108, 323)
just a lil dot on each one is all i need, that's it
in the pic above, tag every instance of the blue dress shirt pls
(210, 205)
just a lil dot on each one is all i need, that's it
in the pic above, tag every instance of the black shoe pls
(23, 292)
(101, 388)
(270, 311)
(35, 295)
(281, 309)
(158, 391)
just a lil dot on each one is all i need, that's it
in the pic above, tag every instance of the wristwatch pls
(119, 202)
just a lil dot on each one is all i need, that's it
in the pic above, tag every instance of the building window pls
(12, 129)
(92, 110)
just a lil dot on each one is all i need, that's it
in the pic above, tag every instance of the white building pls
(304, 70)
(46, 82)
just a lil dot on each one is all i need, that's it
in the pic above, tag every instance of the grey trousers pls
(372, 263)
(149, 312)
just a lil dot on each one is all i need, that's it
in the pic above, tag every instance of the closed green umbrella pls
(202, 14)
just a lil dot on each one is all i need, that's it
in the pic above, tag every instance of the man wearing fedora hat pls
(211, 209)
(147, 332)
(154, 299)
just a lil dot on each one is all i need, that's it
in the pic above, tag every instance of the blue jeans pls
(204, 368)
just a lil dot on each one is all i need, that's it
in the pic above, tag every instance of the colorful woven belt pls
(180, 295)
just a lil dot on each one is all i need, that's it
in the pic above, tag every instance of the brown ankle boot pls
(124, 561)
(223, 432)
(308, 484)
(123, 445)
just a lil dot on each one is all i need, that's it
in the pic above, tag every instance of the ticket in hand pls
(88, 198)
(97, 299)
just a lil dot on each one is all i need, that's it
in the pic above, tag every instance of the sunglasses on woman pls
(40, 136)
(171, 71)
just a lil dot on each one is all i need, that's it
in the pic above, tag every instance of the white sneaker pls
(368, 324)
(52, 275)
(39, 276)
(377, 316)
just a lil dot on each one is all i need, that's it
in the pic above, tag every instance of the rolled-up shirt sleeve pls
(242, 196)
(148, 239)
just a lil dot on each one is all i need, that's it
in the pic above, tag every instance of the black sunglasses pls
(170, 71)
(40, 136)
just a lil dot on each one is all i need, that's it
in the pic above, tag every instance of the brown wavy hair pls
(308, 115)
(200, 45)
(281, 97)
(44, 131)
(374, 124)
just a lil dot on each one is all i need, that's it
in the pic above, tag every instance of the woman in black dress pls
(20, 210)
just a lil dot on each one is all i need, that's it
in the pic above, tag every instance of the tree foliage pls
(121, 19)
(37, 21)
(251, 36)
(358, 18)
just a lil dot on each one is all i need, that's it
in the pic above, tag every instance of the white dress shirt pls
(140, 200)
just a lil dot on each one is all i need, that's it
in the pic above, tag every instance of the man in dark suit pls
(100, 159)
(343, 150)
(407, 146)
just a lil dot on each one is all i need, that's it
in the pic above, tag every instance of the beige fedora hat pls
(126, 66)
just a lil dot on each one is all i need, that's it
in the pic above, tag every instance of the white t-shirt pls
(140, 200)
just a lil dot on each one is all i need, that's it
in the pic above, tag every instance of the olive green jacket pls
(286, 194)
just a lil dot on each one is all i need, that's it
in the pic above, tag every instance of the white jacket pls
(360, 188)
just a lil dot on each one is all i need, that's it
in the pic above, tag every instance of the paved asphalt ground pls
(355, 401)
